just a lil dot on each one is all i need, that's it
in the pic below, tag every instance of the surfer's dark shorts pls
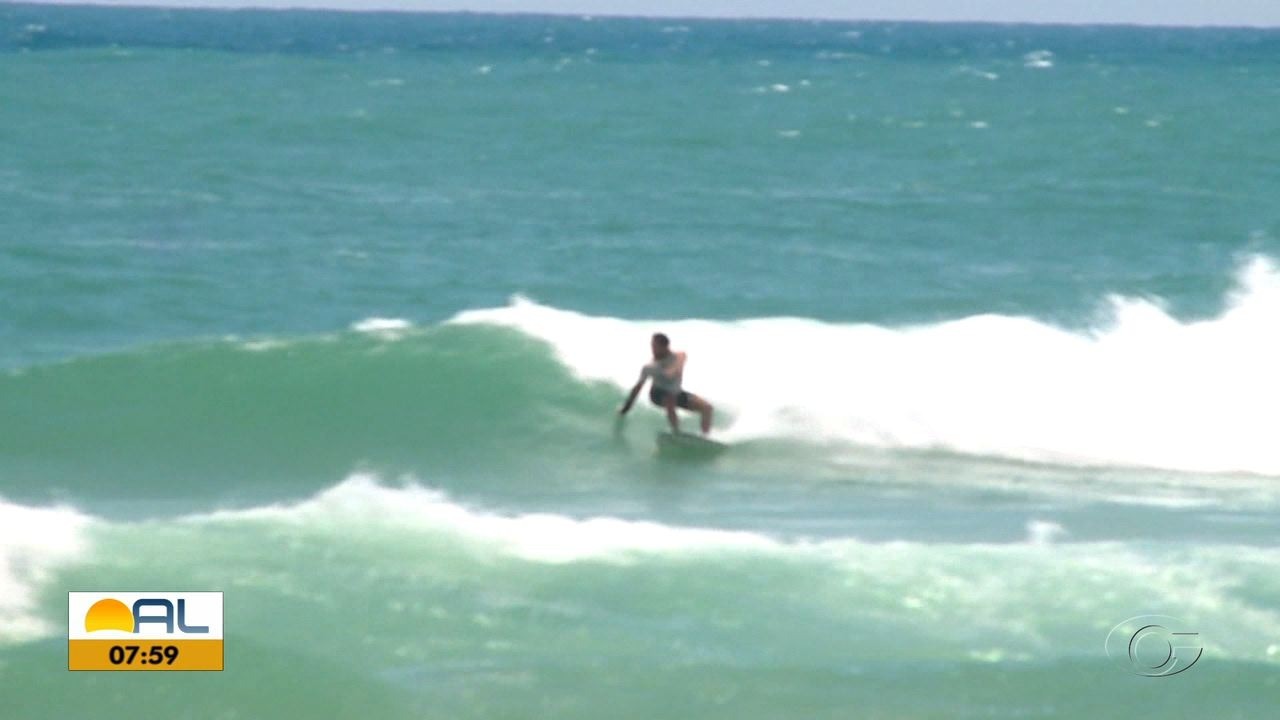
(658, 397)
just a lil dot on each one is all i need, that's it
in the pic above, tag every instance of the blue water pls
(333, 311)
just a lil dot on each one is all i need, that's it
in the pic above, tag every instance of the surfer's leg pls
(669, 402)
(666, 401)
(704, 409)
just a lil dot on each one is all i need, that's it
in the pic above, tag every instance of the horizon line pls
(305, 6)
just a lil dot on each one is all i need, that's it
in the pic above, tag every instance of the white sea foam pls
(264, 345)
(1022, 594)
(1142, 389)
(34, 542)
(390, 328)
(1038, 59)
(541, 537)
(1044, 532)
(976, 72)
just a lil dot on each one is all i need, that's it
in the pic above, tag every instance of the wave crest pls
(1141, 389)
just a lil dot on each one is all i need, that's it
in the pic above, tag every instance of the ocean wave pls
(1142, 388)
(188, 420)
(524, 384)
(1038, 596)
(362, 500)
(430, 556)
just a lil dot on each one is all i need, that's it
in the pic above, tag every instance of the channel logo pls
(1148, 645)
(144, 631)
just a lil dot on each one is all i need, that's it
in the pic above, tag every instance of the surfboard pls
(690, 443)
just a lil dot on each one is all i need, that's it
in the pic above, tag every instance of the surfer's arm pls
(631, 398)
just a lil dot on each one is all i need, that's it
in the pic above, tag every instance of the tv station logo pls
(144, 631)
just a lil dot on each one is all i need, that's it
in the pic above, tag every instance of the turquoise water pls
(332, 312)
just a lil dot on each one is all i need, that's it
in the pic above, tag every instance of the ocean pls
(332, 313)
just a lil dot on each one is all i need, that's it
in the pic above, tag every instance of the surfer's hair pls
(662, 339)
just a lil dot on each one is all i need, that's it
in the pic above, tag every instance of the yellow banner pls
(144, 655)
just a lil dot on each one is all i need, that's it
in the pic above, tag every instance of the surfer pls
(666, 371)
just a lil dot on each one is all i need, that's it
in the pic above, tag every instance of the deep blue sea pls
(333, 312)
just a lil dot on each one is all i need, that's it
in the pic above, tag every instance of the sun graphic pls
(108, 614)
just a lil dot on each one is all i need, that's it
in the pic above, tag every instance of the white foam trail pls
(34, 542)
(1144, 390)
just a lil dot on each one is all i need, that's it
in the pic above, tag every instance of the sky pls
(1143, 12)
